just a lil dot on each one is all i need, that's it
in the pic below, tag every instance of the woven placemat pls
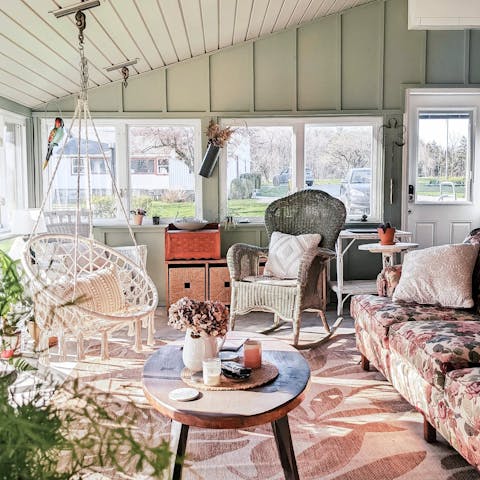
(258, 377)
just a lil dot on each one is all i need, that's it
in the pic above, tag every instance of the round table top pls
(378, 247)
(231, 408)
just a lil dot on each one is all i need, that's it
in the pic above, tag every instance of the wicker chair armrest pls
(322, 255)
(242, 260)
(387, 280)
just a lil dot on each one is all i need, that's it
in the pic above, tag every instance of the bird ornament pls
(54, 138)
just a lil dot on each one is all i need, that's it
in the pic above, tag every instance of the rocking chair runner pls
(307, 211)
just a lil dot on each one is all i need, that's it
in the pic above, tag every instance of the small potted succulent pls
(138, 215)
(155, 212)
(386, 234)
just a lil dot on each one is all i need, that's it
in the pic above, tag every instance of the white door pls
(443, 196)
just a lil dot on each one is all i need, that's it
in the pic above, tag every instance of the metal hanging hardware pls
(123, 67)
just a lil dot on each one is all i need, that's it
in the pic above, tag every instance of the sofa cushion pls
(435, 348)
(376, 314)
(462, 392)
(426, 272)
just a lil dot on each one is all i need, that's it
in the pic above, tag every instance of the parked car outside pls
(355, 190)
(285, 176)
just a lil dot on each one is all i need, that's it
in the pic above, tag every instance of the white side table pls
(346, 239)
(388, 251)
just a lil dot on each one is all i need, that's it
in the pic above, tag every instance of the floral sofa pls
(430, 354)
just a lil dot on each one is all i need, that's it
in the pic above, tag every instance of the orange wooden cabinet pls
(199, 244)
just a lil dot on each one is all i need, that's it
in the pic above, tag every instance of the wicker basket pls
(187, 245)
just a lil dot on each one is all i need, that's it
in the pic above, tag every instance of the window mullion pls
(299, 157)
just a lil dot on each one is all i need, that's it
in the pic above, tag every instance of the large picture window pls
(153, 163)
(270, 158)
(162, 169)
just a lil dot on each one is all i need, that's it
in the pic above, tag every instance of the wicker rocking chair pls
(307, 211)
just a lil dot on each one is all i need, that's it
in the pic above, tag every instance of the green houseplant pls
(15, 305)
(77, 432)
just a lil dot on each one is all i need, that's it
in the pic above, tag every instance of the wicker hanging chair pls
(80, 287)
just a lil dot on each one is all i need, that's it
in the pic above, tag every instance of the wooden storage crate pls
(186, 245)
(186, 282)
(219, 283)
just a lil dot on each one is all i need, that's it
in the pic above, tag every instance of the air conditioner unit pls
(443, 14)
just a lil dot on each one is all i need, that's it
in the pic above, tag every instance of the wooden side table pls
(388, 251)
(230, 409)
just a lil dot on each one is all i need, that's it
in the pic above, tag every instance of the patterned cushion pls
(387, 280)
(474, 239)
(376, 314)
(435, 348)
(98, 291)
(426, 274)
(462, 392)
(285, 253)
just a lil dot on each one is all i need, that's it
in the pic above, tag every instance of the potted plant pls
(155, 212)
(77, 432)
(386, 234)
(217, 139)
(138, 215)
(15, 306)
(205, 324)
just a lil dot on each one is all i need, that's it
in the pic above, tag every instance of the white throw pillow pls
(285, 253)
(438, 276)
(99, 291)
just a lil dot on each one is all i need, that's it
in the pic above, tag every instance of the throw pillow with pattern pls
(285, 253)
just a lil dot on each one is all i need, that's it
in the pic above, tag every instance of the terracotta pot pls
(138, 219)
(386, 237)
(9, 345)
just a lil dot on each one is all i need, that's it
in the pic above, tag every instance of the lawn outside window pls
(270, 158)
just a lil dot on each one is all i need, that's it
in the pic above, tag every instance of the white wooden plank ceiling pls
(39, 57)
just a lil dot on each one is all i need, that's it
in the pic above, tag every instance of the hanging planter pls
(209, 161)
(217, 138)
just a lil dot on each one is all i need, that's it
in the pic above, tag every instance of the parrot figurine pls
(54, 138)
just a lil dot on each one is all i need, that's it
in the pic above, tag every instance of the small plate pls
(184, 394)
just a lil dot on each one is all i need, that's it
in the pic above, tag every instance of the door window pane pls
(340, 159)
(259, 168)
(162, 178)
(443, 157)
(63, 196)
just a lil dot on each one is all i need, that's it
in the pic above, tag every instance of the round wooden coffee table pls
(230, 409)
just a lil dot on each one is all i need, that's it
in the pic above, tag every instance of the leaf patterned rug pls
(352, 426)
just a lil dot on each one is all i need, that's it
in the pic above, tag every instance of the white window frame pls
(298, 168)
(21, 185)
(122, 152)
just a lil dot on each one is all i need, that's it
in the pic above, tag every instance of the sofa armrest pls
(387, 280)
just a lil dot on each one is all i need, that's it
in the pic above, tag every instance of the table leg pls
(178, 444)
(283, 439)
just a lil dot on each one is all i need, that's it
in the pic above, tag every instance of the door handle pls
(411, 193)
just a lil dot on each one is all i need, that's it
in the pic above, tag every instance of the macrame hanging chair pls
(81, 287)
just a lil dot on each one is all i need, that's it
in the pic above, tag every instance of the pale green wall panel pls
(404, 54)
(318, 65)
(105, 99)
(474, 56)
(187, 86)
(445, 56)
(274, 63)
(231, 79)
(146, 93)
(11, 106)
(361, 57)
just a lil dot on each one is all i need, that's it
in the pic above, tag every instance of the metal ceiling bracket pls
(84, 5)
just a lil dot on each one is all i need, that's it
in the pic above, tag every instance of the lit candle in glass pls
(252, 354)
(212, 368)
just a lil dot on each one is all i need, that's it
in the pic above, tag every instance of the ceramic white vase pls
(196, 349)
